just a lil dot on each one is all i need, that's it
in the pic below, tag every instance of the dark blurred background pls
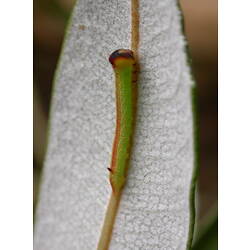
(50, 18)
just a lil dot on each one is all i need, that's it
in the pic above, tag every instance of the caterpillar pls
(124, 65)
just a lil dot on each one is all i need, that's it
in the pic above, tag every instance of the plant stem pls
(114, 201)
(109, 221)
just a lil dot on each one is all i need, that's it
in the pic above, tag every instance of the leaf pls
(208, 239)
(154, 210)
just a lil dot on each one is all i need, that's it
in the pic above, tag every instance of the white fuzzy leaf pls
(154, 210)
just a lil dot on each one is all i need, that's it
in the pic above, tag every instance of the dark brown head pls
(118, 56)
